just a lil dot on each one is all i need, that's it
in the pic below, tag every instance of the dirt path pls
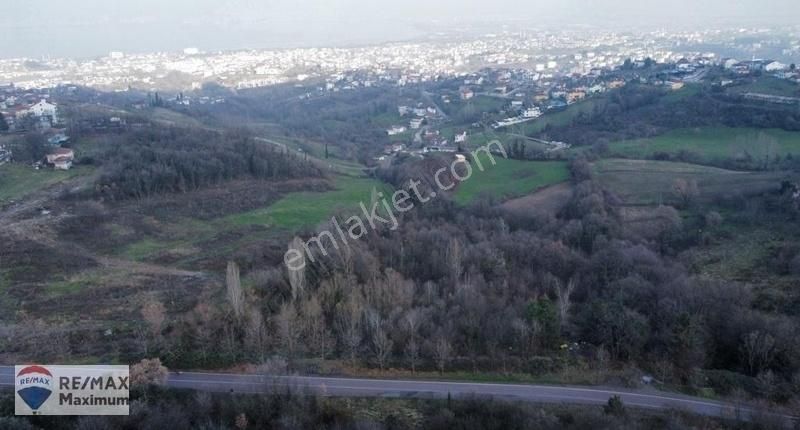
(545, 201)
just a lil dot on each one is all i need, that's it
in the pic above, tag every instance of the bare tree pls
(380, 341)
(412, 353)
(316, 332)
(234, 290)
(154, 314)
(455, 255)
(297, 276)
(685, 190)
(442, 353)
(411, 322)
(564, 292)
(758, 349)
(289, 328)
(256, 332)
(202, 321)
(348, 324)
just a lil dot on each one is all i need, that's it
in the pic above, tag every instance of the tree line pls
(169, 160)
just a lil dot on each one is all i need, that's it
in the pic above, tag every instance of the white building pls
(729, 63)
(395, 130)
(775, 67)
(44, 109)
(61, 158)
(533, 112)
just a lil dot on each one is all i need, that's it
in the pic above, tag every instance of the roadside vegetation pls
(159, 408)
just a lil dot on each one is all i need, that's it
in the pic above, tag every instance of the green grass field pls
(510, 178)
(17, 180)
(645, 182)
(768, 85)
(559, 118)
(715, 143)
(388, 119)
(305, 209)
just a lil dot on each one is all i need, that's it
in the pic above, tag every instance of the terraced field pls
(645, 182)
(305, 209)
(510, 178)
(714, 143)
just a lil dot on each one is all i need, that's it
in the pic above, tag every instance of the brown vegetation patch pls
(549, 200)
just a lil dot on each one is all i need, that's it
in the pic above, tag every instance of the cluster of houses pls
(57, 157)
(22, 110)
(32, 112)
(419, 115)
(745, 68)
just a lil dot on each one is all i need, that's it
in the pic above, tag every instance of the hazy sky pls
(84, 28)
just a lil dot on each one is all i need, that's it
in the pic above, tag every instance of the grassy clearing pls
(180, 238)
(18, 180)
(510, 178)
(768, 85)
(742, 257)
(560, 118)
(304, 209)
(715, 143)
(478, 104)
(144, 248)
(79, 283)
(172, 117)
(644, 182)
(388, 119)
(336, 162)
(687, 91)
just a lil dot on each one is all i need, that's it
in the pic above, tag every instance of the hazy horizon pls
(86, 28)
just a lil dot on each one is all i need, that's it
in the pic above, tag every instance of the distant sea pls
(82, 41)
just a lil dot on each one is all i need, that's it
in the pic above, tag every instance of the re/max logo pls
(33, 380)
(95, 383)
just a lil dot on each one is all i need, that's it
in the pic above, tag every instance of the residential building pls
(61, 158)
(775, 66)
(44, 109)
(395, 130)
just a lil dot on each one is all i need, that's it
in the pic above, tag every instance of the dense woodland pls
(343, 120)
(174, 160)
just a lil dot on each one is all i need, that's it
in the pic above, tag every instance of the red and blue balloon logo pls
(34, 386)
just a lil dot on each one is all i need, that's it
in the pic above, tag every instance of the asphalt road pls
(353, 387)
